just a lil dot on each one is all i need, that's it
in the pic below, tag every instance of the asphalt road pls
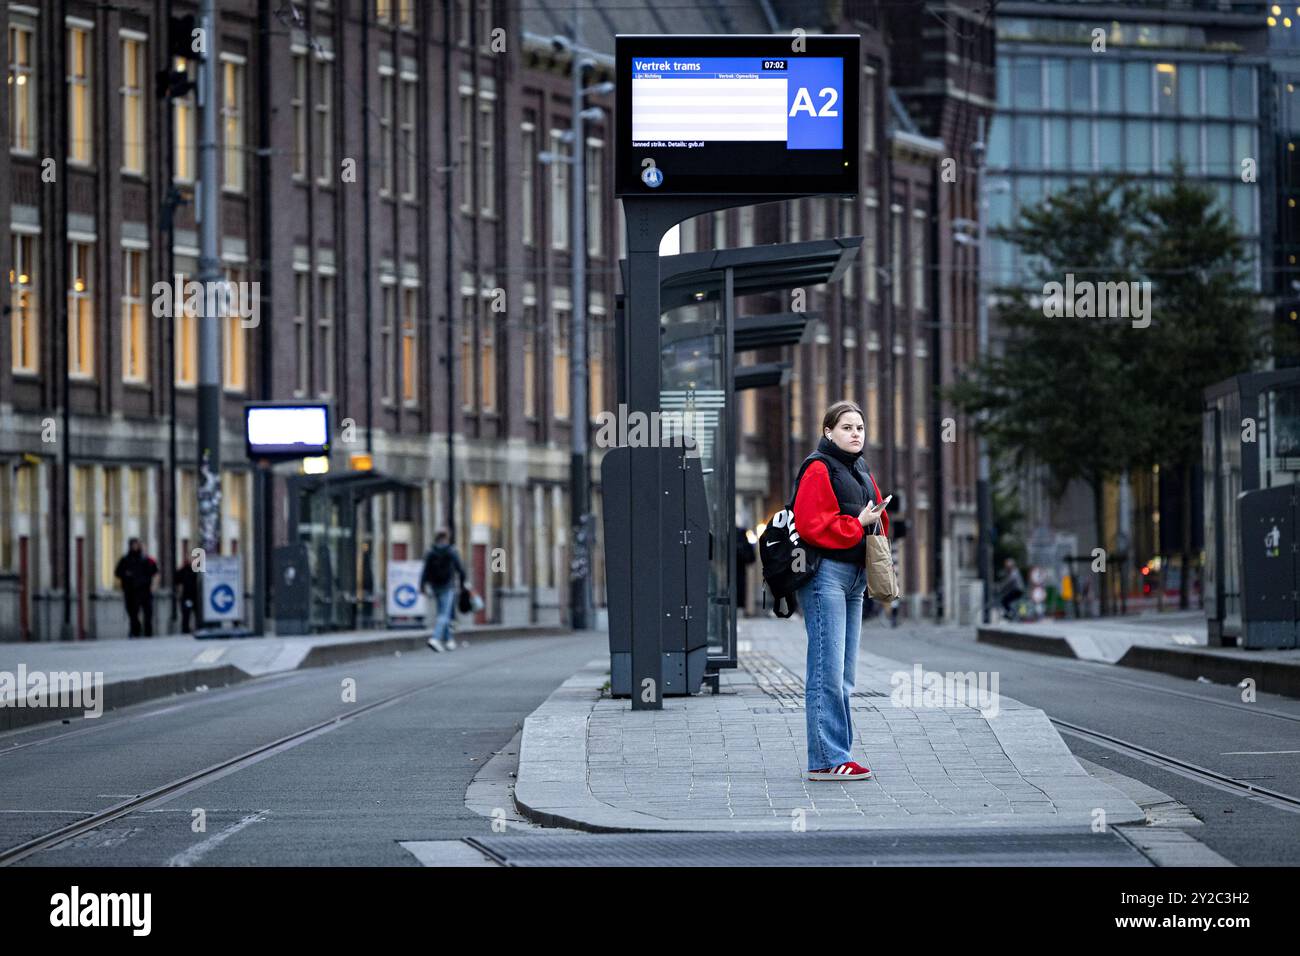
(347, 795)
(352, 792)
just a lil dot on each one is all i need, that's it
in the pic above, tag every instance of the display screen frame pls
(842, 181)
(291, 451)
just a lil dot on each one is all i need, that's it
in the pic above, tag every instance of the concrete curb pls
(1222, 667)
(124, 693)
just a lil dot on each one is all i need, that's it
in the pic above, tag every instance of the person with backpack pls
(836, 505)
(438, 582)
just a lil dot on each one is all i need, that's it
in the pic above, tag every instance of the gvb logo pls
(1273, 543)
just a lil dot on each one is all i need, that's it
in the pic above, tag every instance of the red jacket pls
(817, 511)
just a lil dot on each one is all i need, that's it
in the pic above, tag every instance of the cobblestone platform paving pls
(735, 761)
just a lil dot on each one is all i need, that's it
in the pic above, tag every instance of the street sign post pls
(405, 604)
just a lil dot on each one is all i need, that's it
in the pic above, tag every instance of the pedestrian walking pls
(837, 504)
(744, 558)
(442, 578)
(185, 582)
(1012, 588)
(136, 572)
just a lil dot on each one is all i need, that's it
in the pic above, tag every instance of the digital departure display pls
(732, 115)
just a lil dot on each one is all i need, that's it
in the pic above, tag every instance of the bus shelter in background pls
(1251, 447)
(325, 577)
(699, 379)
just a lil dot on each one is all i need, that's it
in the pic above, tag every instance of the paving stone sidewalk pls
(735, 761)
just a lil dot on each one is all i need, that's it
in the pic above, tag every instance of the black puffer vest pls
(853, 491)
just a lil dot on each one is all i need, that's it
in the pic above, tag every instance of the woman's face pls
(848, 432)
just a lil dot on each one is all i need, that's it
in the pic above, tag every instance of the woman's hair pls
(838, 411)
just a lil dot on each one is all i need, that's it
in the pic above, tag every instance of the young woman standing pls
(836, 505)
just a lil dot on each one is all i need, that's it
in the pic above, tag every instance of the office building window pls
(487, 351)
(595, 162)
(298, 112)
(561, 315)
(134, 71)
(388, 338)
(487, 153)
(530, 349)
(135, 328)
(301, 330)
(325, 335)
(920, 255)
(468, 322)
(384, 11)
(232, 123)
(22, 88)
(324, 107)
(24, 319)
(410, 146)
(406, 14)
(80, 108)
(184, 131)
(235, 340)
(527, 195)
(387, 141)
(896, 256)
(81, 311)
(410, 343)
(560, 173)
(466, 143)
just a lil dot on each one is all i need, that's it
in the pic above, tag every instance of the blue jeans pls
(832, 615)
(446, 598)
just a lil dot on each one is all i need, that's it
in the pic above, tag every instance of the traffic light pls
(174, 82)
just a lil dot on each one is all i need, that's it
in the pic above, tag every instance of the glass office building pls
(1160, 92)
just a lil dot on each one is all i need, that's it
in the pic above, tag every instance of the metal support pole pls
(579, 480)
(983, 489)
(209, 430)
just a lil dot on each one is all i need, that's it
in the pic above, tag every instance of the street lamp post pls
(580, 612)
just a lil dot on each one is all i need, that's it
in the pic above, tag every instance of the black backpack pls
(788, 564)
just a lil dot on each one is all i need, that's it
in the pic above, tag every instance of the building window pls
(869, 109)
(325, 335)
(80, 109)
(186, 330)
(487, 176)
(873, 391)
(559, 190)
(25, 317)
(298, 110)
(871, 247)
(466, 143)
(388, 340)
(484, 24)
(796, 393)
(387, 154)
(920, 396)
(384, 11)
(232, 123)
(184, 131)
(410, 343)
(530, 350)
(134, 71)
(22, 89)
(595, 189)
(301, 333)
(896, 255)
(235, 341)
(595, 353)
(468, 322)
(561, 315)
(527, 199)
(920, 248)
(135, 352)
(324, 107)
(487, 352)
(81, 311)
(406, 13)
(410, 109)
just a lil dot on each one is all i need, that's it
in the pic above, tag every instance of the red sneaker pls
(845, 771)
